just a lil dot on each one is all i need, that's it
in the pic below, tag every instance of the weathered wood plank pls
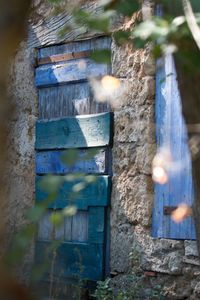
(40, 34)
(171, 135)
(68, 229)
(63, 57)
(73, 260)
(80, 227)
(73, 228)
(45, 228)
(74, 132)
(51, 162)
(96, 228)
(71, 71)
(87, 44)
(68, 100)
(95, 194)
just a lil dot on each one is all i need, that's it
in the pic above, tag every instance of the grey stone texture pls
(172, 264)
(140, 263)
(20, 145)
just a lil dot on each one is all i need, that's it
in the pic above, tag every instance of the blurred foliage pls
(51, 185)
(167, 32)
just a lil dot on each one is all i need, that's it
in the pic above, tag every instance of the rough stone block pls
(126, 61)
(149, 65)
(135, 125)
(121, 243)
(191, 248)
(132, 199)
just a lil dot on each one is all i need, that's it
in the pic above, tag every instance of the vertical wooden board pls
(68, 229)
(70, 71)
(68, 100)
(45, 229)
(80, 227)
(74, 132)
(95, 194)
(59, 232)
(171, 132)
(96, 230)
(51, 162)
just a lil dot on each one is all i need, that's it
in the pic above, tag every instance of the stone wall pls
(21, 138)
(138, 262)
(157, 266)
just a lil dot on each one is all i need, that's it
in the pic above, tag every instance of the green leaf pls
(69, 210)
(102, 56)
(50, 183)
(121, 37)
(54, 1)
(90, 154)
(69, 157)
(96, 22)
(90, 178)
(35, 213)
(64, 30)
(79, 187)
(56, 218)
(38, 271)
(72, 177)
(127, 7)
(124, 7)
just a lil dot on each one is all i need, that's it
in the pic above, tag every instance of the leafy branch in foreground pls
(167, 33)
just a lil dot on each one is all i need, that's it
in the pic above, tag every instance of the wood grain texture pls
(71, 71)
(63, 57)
(73, 229)
(95, 194)
(43, 33)
(75, 260)
(80, 227)
(51, 162)
(171, 133)
(82, 250)
(68, 100)
(88, 44)
(84, 258)
(74, 132)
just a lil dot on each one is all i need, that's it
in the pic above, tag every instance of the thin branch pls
(191, 21)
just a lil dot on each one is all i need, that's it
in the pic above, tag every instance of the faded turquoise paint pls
(74, 132)
(172, 136)
(73, 260)
(63, 94)
(94, 194)
(51, 162)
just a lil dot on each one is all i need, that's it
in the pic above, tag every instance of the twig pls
(191, 21)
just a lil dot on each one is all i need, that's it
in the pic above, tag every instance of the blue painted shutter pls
(171, 133)
(70, 119)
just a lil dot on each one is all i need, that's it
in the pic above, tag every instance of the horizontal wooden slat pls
(95, 194)
(71, 71)
(74, 132)
(73, 259)
(51, 162)
(68, 100)
(63, 57)
(87, 44)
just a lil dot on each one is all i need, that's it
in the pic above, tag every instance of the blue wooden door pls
(69, 118)
(172, 137)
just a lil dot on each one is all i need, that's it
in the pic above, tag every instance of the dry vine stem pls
(191, 21)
